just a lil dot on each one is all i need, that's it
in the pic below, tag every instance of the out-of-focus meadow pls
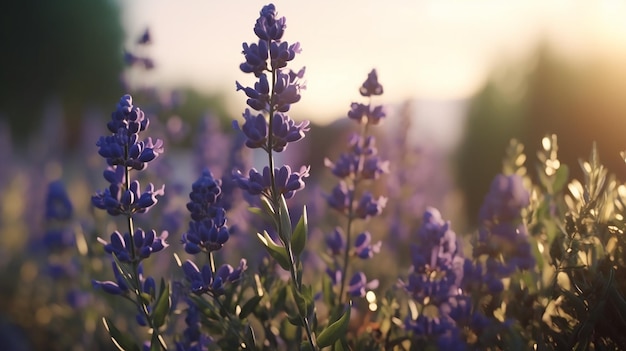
(461, 79)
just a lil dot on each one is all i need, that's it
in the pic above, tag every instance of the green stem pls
(355, 183)
(275, 199)
(135, 266)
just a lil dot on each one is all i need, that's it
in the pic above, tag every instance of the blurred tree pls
(70, 50)
(581, 102)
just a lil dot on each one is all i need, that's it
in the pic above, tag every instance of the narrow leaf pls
(249, 306)
(125, 274)
(300, 234)
(122, 341)
(336, 330)
(162, 307)
(285, 231)
(277, 252)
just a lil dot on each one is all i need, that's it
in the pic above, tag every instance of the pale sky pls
(429, 49)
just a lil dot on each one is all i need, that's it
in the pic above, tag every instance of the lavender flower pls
(437, 269)
(336, 241)
(359, 163)
(287, 183)
(435, 282)
(145, 244)
(58, 204)
(204, 280)
(363, 247)
(123, 153)
(58, 213)
(272, 130)
(502, 235)
(207, 230)
(359, 285)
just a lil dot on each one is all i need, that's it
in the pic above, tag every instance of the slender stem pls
(135, 264)
(212, 262)
(275, 200)
(355, 183)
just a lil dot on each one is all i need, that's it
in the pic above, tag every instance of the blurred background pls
(461, 79)
(476, 72)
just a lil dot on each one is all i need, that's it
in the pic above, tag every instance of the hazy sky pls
(434, 49)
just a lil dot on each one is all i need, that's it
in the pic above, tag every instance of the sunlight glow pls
(432, 49)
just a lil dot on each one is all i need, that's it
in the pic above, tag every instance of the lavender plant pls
(207, 234)
(124, 152)
(354, 168)
(543, 271)
(271, 130)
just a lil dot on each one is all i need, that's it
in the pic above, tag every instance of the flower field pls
(250, 238)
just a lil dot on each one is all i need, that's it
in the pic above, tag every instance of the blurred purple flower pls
(371, 86)
(336, 241)
(369, 207)
(363, 247)
(505, 200)
(359, 285)
(58, 204)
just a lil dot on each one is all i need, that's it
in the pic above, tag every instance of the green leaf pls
(295, 320)
(285, 232)
(560, 178)
(340, 345)
(301, 301)
(277, 252)
(125, 274)
(122, 341)
(249, 306)
(300, 234)
(305, 346)
(333, 332)
(155, 342)
(267, 206)
(162, 307)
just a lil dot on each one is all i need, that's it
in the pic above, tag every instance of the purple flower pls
(369, 207)
(339, 198)
(118, 287)
(204, 280)
(364, 114)
(256, 58)
(287, 89)
(371, 86)
(259, 96)
(282, 52)
(374, 167)
(145, 243)
(502, 235)
(117, 201)
(207, 235)
(285, 130)
(267, 26)
(359, 285)
(336, 241)
(363, 246)
(205, 193)
(123, 146)
(58, 204)
(287, 182)
(255, 130)
(505, 200)
(437, 268)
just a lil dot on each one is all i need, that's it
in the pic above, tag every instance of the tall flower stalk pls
(270, 129)
(124, 152)
(359, 164)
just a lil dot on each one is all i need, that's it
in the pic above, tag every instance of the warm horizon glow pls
(436, 49)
